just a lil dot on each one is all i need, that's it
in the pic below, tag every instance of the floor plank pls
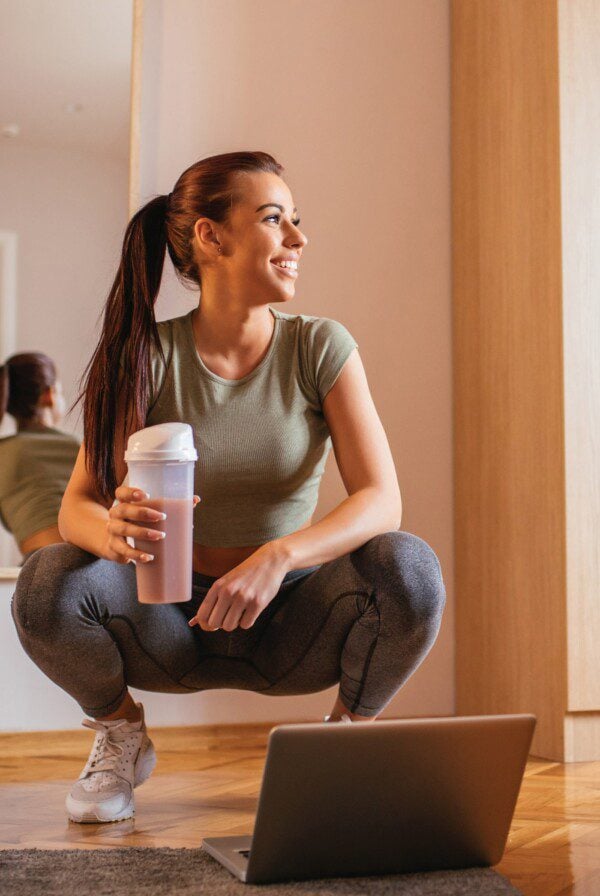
(207, 781)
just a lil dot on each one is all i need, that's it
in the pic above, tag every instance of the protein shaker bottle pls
(160, 461)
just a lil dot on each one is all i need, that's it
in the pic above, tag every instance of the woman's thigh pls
(304, 645)
(365, 619)
(74, 608)
(302, 630)
(227, 659)
(79, 618)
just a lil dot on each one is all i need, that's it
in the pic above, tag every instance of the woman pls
(37, 461)
(279, 605)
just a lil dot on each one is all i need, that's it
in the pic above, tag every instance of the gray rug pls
(137, 870)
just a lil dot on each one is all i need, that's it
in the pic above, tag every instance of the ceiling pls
(66, 52)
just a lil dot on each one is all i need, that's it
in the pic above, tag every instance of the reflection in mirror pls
(65, 75)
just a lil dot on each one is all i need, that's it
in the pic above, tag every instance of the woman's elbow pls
(61, 522)
(61, 530)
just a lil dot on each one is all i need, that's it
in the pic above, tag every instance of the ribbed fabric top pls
(262, 440)
(35, 468)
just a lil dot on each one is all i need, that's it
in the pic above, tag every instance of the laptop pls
(385, 797)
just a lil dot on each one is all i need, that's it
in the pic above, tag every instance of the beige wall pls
(579, 41)
(353, 99)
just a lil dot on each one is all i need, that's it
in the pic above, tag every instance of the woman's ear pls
(47, 398)
(51, 398)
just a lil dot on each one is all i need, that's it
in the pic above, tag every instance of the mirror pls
(65, 76)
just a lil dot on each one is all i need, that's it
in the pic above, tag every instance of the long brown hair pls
(205, 189)
(23, 380)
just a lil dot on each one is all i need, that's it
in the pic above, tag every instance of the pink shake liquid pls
(168, 578)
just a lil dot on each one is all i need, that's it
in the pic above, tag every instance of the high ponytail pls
(206, 189)
(120, 366)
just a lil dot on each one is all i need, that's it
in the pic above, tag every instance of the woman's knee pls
(46, 577)
(407, 567)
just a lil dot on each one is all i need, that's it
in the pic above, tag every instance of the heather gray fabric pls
(162, 871)
(27, 555)
(35, 468)
(366, 619)
(262, 440)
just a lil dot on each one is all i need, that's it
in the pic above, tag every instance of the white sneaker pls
(122, 757)
(344, 718)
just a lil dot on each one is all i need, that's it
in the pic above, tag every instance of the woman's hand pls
(126, 519)
(238, 597)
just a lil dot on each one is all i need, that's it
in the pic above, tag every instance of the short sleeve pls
(328, 347)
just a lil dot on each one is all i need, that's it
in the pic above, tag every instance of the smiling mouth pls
(288, 272)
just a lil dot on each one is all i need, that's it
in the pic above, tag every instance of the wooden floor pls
(207, 781)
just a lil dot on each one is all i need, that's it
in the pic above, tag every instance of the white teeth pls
(287, 264)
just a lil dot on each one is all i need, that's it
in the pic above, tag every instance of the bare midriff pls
(217, 561)
(40, 539)
(207, 560)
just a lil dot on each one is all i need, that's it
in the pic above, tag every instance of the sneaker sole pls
(144, 767)
(91, 817)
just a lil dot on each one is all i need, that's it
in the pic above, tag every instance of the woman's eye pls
(295, 223)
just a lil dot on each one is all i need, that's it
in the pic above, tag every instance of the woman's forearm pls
(361, 516)
(82, 522)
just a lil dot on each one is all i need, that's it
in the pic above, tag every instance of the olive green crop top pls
(35, 468)
(262, 440)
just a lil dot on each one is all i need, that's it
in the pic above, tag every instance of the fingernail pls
(147, 557)
(137, 494)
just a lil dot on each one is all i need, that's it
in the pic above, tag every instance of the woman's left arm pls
(362, 452)
(373, 506)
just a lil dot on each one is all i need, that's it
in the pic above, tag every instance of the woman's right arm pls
(85, 521)
(96, 525)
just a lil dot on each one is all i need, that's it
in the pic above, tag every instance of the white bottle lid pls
(165, 441)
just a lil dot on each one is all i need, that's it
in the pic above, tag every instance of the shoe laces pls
(106, 752)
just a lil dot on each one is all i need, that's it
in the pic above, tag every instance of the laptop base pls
(226, 851)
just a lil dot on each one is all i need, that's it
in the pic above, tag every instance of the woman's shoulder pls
(168, 324)
(166, 327)
(172, 330)
(324, 344)
(50, 433)
(310, 326)
(317, 332)
(23, 452)
(62, 434)
(171, 334)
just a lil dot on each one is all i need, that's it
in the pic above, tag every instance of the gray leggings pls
(366, 619)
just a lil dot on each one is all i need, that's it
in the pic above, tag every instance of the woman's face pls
(257, 234)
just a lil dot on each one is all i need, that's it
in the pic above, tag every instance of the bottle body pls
(170, 487)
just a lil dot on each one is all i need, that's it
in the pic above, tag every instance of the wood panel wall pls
(526, 334)
(509, 468)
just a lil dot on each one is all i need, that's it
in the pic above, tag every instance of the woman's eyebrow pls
(275, 205)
